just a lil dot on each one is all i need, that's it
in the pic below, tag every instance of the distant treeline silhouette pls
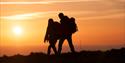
(109, 56)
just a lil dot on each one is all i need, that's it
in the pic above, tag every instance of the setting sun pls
(17, 30)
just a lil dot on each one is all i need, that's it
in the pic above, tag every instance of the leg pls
(54, 49)
(49, 50)
(69, 38)
(53, 42)
(60, 45)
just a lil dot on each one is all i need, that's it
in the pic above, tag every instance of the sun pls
(17, 30)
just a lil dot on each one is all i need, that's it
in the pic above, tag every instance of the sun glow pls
(17, 30)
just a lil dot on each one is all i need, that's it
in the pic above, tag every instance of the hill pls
(109, 56)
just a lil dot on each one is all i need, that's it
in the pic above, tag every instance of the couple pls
(60, 31)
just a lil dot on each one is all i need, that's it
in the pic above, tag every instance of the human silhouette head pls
(61, 15)
(50, 21)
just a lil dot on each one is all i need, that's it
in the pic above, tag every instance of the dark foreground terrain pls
(110, 56)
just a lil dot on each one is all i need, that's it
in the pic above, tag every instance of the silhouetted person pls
(66, 32)
(52, 35)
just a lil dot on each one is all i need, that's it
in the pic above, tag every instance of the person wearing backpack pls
(67, 31)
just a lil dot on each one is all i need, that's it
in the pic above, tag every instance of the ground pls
(109, 56)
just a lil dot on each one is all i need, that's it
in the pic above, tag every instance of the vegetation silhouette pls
(109, 56)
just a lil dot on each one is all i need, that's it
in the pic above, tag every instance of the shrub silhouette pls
(110, 56)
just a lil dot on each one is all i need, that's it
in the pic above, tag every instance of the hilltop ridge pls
(109, 56)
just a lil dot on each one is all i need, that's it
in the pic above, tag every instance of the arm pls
(46, 38)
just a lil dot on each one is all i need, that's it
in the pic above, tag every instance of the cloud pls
(43, 2)
(23, 16)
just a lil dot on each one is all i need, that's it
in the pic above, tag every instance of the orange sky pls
(100, 22)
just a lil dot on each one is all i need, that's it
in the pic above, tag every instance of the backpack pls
(72, 25)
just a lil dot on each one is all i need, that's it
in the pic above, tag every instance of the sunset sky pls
(23, 23)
